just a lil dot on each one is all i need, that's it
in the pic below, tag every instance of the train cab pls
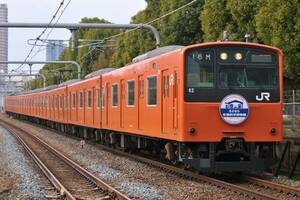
(232, 108)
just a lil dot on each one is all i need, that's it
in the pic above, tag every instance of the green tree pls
(243, 18)
(278, 24)
(214, 18)
(271, 22)
(181, 28)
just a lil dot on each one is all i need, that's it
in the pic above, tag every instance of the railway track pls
(250, 187)
(70, 179)
(279, 190)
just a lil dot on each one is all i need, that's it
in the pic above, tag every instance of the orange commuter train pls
(215, 107)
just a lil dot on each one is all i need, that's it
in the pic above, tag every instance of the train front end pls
(232, 106)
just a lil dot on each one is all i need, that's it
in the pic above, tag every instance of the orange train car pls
(215, 106)
(84, 106)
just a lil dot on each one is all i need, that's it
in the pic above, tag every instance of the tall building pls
(3, 38)
(53, 49)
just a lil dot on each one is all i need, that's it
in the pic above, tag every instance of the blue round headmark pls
(234, 109)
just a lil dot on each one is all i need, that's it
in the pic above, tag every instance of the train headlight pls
(238, 56)
(224, 56)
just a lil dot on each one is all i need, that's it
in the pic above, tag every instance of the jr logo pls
(263, 95)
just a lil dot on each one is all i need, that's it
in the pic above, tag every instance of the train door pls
(122, 103)
(165, 101)
(99, 89)
(107, 97)
(94, 105)
(169, 101)
(175, 100)
(101, 102)
(141, 101)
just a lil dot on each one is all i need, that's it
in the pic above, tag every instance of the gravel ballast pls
(135, 179)
(19, 177)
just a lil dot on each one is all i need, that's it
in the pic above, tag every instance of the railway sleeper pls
(229, 155)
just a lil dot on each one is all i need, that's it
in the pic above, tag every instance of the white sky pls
(116, 11)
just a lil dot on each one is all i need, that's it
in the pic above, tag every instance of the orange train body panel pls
(171, 118)
(84, 110)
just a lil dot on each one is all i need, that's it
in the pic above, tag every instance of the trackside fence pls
(291, 109)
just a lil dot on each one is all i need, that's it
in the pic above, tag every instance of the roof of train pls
(99, 72)
(147, 55)
(156, 52)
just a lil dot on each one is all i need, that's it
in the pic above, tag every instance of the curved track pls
(249, 187)
(71, 180)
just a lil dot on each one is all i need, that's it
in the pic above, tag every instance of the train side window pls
(114, 95)
(103, 97)
(152, 91)
(130, 93)
(53, 102)
(61, 101)
(98, 97)
(73, 100)
(45, 102)
(81, 99)
(67, 103)
(141, 89)
(89, 98)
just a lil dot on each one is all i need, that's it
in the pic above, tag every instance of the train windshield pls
(200, 69)
(247, 77)
(223, 70)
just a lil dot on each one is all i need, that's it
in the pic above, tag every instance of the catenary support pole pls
(76, 26)
(30, 63)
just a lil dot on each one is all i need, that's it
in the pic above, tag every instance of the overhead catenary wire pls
(43, 32)
(128, 31)
(154, 20)
(47, 36)
(150, 22)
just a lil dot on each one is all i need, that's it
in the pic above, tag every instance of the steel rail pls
(270, 184)
(55, 182)
(176, 170)
(63, 191)
(192, 175)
